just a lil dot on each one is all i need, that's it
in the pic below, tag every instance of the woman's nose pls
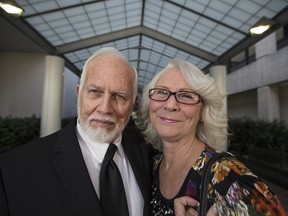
(171, 104)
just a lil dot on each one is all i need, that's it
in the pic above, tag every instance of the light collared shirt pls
(93, 154)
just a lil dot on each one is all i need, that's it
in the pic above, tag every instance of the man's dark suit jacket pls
(49, 176)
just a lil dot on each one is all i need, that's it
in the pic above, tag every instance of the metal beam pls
(89, 42)
(136, 31)
(179, 44)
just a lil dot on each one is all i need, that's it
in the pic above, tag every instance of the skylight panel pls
(219, 6)
(132, 23)
(63, 29)
(33, 21)
(239, 15)
(82, 25)
(45, 5)
(199, 7)
(248, 6)
(112, 4)
(48, 33)
(58, 23)
(214, 14)
(116, 10)
(276, 5)
(170, 51)
(53, 16)
(213, 39)
(133, 13)
(96, 7)
(203, 28)
(266, 12)
(136, 5)
(78, 18)
(43, 27)
(189, 16)
(170, 14)
(206, 22)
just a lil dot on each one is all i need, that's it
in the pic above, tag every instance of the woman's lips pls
(168, 120)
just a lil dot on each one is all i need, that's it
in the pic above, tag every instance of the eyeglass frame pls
(175, 96)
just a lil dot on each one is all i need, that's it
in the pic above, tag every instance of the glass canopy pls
(148, 32)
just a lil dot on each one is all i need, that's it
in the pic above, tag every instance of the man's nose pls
(105, 105)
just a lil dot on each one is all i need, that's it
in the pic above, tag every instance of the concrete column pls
(219, 74)
(52, 95)
(266, 46)
(268, 103)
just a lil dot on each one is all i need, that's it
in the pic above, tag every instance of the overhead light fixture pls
(261, 26)
(11, 7)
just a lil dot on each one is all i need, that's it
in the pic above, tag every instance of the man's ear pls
(77, 90)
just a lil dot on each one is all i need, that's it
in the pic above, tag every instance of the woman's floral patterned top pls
(233, 188)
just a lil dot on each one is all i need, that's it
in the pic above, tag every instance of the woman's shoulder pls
(225, 161)
(237, 188)
(221, 162)
(204, 157)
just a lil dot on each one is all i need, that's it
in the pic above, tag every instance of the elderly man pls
(64, 174)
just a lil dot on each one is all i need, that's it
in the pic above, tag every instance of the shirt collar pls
(98, 149)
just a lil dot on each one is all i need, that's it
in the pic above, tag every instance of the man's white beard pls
(100, 134)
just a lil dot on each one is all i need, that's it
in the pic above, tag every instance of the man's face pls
(105, 100)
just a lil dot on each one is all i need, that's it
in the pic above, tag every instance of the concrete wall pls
(21, 84)
(283, 97)
(243, 104)
(267, 70)
(242, 85)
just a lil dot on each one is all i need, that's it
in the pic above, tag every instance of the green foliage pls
(17, 131)
(245, 132)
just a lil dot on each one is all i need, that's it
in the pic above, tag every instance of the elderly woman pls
(181, 116)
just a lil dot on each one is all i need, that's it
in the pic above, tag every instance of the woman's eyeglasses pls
(184, 97)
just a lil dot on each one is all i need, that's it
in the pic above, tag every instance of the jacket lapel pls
(72, 171)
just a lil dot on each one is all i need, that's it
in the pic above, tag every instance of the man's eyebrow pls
(94, 86)
(120, 92)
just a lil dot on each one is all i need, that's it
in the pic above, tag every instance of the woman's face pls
(174, 121)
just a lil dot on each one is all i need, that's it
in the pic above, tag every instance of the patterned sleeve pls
(237, 191)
